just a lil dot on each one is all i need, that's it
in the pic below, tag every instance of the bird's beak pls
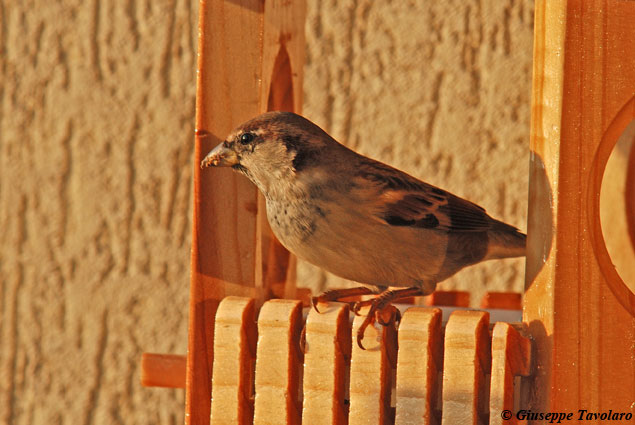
(220, 156)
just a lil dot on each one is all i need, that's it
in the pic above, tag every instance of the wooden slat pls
(466, 366)
(448, 298)
(511, 357)
(163, 370)
(234, 356)
(279, 364)
(578, 312)
(372, 374)
(326, 365)
(419, 362)
(502, 301)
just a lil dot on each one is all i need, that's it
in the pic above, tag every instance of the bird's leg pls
(379, 303)
(338, 294)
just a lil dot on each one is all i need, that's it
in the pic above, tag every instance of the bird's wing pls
(403, 200)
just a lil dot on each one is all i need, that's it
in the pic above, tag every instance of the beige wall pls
(96, 122)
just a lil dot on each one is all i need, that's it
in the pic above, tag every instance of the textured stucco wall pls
(96, 121)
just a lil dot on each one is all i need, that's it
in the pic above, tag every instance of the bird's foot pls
(380, 307)
(338, 294)
(390, 311)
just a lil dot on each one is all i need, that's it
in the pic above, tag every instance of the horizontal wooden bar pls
(502, 301)
(163, 370)
(448, 298)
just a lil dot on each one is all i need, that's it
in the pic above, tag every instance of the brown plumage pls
(356, 217)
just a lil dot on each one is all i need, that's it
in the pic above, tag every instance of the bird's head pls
(271, 149)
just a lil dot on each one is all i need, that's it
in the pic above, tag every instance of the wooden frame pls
(578, 311)
(575, 308)
(251, 54)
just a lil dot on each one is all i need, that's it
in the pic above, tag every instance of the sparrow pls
(359, 218)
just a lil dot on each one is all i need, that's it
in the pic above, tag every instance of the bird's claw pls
(302, 341)
(375, 315)
(314, 303)
(395, 316)
(370, 318)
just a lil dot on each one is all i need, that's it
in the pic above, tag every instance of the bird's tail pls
(505, 241)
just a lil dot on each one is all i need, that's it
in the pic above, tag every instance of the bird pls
(359, 218)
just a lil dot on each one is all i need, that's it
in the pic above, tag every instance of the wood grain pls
(233, 251)
(279, 364)
(466, 365)
(234, 357)
(511, 357)
(326, 365)
(578, 312)
(419, 363)
(163, 370)
(502, 301)
(372, 374)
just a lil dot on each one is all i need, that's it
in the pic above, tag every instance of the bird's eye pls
(246, 138)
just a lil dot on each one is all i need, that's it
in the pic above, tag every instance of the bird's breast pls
(293, 223)
(344, 240)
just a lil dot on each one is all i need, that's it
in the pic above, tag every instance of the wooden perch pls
(163, 370)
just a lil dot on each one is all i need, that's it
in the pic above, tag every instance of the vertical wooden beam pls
(281, 90)
(230, 239)
(578, 311)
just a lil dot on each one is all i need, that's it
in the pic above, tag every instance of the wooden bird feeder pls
(571, 349)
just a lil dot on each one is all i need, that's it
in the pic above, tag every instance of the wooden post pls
(251, 56)
(578, 311)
